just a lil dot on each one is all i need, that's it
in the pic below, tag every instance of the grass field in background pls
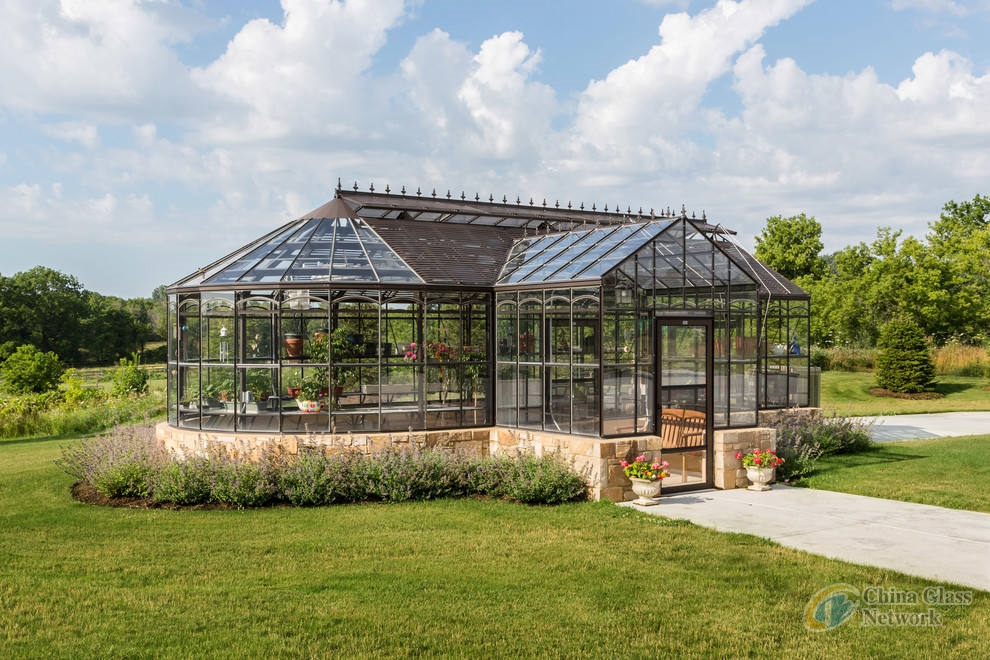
(949, 472)
(848, 394)
(460, 578)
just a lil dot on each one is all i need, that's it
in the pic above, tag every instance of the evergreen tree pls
(904, 363)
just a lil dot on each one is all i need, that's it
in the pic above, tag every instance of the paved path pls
(941, 425)
(917, 539)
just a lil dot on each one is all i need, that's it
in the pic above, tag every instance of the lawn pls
(949, 472)
(848, 394)
(464, 578)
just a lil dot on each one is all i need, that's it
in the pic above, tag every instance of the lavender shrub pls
(121, 463)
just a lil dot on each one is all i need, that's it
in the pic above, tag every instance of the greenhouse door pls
(684, 399)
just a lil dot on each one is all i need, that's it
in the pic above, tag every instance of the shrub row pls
(59, 413)
(128, 462)
(952, 359)
(801, 442)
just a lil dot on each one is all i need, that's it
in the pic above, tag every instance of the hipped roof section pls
(367, 238)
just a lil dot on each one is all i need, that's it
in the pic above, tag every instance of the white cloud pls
(636, 117)
(301, 78)
(82, 132)
(937, 6)
(109, 58)
(58, 220)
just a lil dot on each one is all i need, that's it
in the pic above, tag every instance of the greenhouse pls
(388, 312)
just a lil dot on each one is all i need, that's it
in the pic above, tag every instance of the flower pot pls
(759, 477)
(647, 490)
(294, 345)
(309, 406)
(293, 391)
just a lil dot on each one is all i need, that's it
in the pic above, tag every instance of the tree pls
(30, 370)
(960, 246)
(45, 308)
(792, 246)
(904, 363)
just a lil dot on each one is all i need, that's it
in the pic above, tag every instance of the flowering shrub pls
(760, 458)
(643, 469)
(436, 350)
(130, 463)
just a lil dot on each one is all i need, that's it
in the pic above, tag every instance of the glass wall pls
(547, 360)
(320, 360)
(786, 363)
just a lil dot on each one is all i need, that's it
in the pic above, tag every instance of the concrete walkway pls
(917, 539)
(941, 425)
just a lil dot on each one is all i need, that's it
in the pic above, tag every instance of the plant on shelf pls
(646, 470)
(312, 391)
(220, 389)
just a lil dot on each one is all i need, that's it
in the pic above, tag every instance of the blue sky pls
(140, 140)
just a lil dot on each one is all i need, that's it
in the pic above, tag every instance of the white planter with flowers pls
(646, 477)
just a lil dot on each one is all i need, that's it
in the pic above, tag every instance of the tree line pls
(940, 283)
(54, 313)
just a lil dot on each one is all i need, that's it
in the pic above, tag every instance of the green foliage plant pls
(30, 370)
(801, 441)
(904, 362)
(130, 379)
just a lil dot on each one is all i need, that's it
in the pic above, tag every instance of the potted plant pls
(311, 392)
(760, 465)
(646, 477)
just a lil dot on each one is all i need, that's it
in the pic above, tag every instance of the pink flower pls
(756, 452)
(641, 459)
(757, 460)
(655, 466)
(624, 463)
(665, 464)
(738, 455)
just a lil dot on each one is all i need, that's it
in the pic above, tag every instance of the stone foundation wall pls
(186, 442)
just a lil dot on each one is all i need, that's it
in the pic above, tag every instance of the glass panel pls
(560, 400)
(507, 332)
(507, 393)
(530, 330)
(619, 400)
(189, 328)
(585, 411)
(188, 397)
(259, 402)
(219, 398)
(530, 396)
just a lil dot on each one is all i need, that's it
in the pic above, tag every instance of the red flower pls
(738, 455)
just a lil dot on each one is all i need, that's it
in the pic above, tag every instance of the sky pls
(143, 139)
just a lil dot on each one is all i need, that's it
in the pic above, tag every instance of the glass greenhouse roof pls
(576, 255)
(329, 244)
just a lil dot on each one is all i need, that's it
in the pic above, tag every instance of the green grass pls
(848, 394)
(464, 578)
(949, 472)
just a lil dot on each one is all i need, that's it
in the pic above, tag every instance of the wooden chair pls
(680, 428)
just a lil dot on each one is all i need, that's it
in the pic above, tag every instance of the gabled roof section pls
(576, 255)
(771, 283)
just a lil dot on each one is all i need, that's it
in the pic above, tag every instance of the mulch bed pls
(879, 391)
(86, 494)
